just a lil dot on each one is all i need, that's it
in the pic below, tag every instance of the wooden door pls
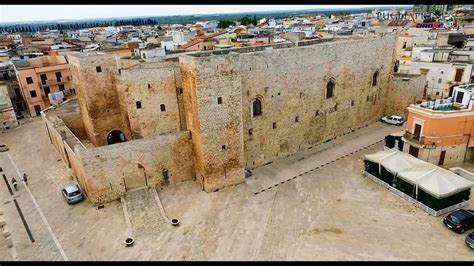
(414, 151)
(459, 73)
(441, 158)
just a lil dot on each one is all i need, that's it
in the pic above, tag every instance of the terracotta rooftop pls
(191, 43)
(205, 37)
(6, 40)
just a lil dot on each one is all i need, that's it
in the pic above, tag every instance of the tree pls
(247, 20)
(224, 24)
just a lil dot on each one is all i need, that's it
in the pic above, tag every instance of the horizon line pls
(337, 7)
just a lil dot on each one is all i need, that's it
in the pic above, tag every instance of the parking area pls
(331, 213)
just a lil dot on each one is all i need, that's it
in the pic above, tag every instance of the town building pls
(441, 131)
(41, 76)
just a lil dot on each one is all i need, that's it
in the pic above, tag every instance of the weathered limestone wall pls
(74, 122)
(107, 166)
(152, 85)
(98, 97)
(104, 172)
(7, 113)
(67, 146)
(402, 91)
(291, 83)
(216, 127)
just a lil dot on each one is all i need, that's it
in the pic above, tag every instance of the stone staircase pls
(143, 212)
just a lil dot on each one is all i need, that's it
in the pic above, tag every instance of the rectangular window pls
(29, 80)
(250, 131)
(98, 69)
(219, 100)
(138, 104)
(439, 81)
(61, 87)
(274, 125)
(459, 96)
(33, 94)
(58, 76)
(46, 91)
(296, 119)
(352, 103)
(404, 45)
(43, 78)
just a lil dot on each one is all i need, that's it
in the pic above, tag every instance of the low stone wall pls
(107, 168)
(104, 173)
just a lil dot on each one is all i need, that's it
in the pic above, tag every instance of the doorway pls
(459, 74)
(441, 158)
(38, 110)
(414, 151)
(115, 136)
(417, 133)
(134, 176)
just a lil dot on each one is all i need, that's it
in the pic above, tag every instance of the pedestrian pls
(25, 179)
(14, 183)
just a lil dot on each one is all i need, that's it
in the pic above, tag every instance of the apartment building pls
(441, 131)
(40, 77)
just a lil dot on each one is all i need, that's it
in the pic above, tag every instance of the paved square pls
(330, 213)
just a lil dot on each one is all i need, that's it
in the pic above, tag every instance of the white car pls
(393, 120)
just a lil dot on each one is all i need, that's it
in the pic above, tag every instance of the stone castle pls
(211, 116)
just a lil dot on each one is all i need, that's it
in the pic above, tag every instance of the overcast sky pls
(13, 13)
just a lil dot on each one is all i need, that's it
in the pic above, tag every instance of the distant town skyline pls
(29, 13)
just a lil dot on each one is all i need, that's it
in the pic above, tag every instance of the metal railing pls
(414, 138)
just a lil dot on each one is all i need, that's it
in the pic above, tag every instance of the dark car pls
(470, 240)
(460, 220)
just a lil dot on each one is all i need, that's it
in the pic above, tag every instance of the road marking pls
(53, 236)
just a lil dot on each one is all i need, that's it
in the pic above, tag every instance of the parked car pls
(470, 240)
(72, 193)
(460, 220)
(393, 120)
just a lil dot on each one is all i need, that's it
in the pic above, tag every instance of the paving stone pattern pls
(292, 167)
(143, 211)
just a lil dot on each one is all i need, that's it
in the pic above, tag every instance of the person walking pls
(14, 183)
(25, 178)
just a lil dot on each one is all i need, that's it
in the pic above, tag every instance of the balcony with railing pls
(414, 138)
(50, 82)
(446, 104)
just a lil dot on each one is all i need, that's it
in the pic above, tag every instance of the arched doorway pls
(134, 176)
(115, 136)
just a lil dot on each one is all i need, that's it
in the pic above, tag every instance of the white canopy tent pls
(434, 180)
(394, 160)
